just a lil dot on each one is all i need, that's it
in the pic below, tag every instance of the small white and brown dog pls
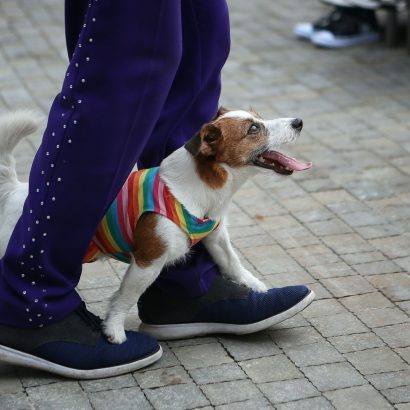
(203, 175)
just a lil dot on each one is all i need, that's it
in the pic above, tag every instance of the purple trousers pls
(143, 77)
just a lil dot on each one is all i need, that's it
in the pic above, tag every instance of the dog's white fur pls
(179, 172)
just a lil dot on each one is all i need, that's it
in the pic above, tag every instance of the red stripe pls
(170, 206)
(133, 198)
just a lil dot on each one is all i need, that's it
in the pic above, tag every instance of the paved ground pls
(342, 228)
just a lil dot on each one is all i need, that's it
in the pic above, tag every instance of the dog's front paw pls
(114, 333)
(256, 285)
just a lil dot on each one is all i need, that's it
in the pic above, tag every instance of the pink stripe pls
(162, 208)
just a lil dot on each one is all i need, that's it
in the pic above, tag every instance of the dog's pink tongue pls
(284, 160)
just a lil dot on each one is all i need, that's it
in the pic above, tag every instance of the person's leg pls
(118, 79)
(192, 101)
(114, 90)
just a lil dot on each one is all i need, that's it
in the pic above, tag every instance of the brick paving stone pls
(9, 383)
(295, 336)
(389, 380)
(15, 401)
(288, 279)
(404, 263)
(162, 377)
(405, 306)
(251, 404)
(250, 346)
(289, 390)
(180, 396)
(379, 231)
(355, 342)
(338, 324)
(377, 360)
(405, 406)
(328, 227)
(358, 398)
(360, 303)
(333, 376)
(398, 394)
(192, 342)
(331, 270)
(320, 291)
(394, 246)
(270, 259)
(49, 396)
(347, 243)
(347, 286)
(323, 307)
(32, 378)
(112, 383)
(377, 268)
(316, 403)
(404, 353)
(363, 257)
(228, 392)
(216, 374)
(382, 317)
(126, 398)
(395, 335)
(192, 357)
(314, 255)
(313, 354)
(269, 369)
(295, 321)
(396, 286)
(168, 359)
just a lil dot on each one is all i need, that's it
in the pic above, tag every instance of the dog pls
(201, 178)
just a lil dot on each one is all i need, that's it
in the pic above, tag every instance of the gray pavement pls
(342, 228)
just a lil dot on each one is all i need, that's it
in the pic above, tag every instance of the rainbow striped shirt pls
(144, 191)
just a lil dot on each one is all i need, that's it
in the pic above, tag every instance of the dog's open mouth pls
(280, 163)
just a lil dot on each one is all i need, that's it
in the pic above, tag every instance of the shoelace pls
(89, 318)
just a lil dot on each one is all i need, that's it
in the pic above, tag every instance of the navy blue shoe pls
(226, 308)
(76, 348)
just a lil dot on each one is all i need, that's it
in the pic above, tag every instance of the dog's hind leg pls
(148, 259)
(135, 282)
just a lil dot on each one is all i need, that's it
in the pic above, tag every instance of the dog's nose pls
(297, 124)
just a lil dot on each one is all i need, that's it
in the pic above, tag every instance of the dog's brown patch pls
(212, 173)
(148, 245)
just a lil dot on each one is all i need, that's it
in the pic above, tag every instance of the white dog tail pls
(13, 128)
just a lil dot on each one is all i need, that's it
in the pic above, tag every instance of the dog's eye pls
(254, 129)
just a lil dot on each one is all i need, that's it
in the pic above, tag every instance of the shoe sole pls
(342, 42)
(187, 330)
(15, 357)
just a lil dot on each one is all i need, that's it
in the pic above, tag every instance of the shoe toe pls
(303, 30)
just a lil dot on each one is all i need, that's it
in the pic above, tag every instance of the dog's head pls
(242, 139)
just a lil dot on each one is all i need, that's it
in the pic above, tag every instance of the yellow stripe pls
(108, 237)
(182, 222)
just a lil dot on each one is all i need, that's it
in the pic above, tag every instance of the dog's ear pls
(210, 135)
(193, 145)
(204, 141)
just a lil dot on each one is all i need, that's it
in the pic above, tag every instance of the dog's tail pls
(13, 128)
